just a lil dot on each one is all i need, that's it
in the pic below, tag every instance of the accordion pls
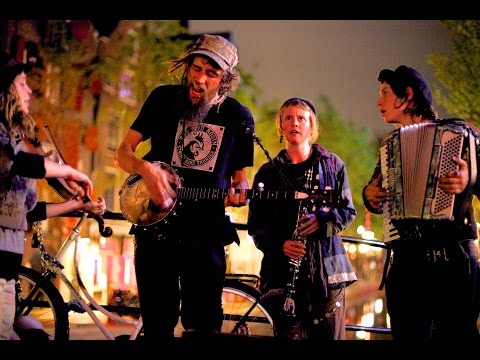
(412, 159)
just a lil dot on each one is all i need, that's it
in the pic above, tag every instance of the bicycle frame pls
(54, 268)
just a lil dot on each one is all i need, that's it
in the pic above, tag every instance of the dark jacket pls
(271, 222)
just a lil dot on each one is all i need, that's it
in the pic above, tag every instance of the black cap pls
(9, 69)
(294, 100)
(404, 77)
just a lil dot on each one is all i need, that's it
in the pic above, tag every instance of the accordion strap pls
(385, 267)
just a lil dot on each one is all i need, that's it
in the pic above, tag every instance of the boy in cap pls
(431, 286)
(202, 135)
(18, 189)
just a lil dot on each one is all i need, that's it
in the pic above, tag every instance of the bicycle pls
(252, 317)
(245, 313)
(245, 308)
(38, 297)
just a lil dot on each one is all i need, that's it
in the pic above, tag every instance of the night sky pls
(337, 58)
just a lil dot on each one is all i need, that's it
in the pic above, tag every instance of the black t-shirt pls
(203, 155)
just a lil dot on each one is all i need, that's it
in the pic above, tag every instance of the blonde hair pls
(305, 105)
(16, 121)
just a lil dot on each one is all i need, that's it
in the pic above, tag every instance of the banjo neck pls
(188, 193)
(137, 207)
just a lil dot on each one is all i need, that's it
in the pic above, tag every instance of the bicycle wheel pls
(242, 311)
(38, 298)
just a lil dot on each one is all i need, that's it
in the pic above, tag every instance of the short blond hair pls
(304, 104)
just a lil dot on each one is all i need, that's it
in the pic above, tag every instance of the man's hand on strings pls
(160, 185)
(236, 197)
(237, 194)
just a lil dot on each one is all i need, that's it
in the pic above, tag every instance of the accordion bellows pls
(412, 160)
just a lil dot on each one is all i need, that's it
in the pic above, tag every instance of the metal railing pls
(240, 226)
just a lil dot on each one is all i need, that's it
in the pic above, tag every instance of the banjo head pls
(135, 202)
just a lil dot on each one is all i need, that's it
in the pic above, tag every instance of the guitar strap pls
(278, 165)
(284, 177)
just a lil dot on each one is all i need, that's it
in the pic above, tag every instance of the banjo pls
(138, 208)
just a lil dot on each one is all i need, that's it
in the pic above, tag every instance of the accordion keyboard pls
(412, 159)
(390, 233)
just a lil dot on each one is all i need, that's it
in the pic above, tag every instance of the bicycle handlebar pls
(105, 231)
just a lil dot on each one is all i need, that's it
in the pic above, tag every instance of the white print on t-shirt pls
(197, 145)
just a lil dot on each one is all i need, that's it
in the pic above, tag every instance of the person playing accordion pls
(431, 271)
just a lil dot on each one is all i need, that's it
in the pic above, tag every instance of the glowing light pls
(367, 319)
(368, 235)
(364, 233)
(361, 334)
(126, 273)
(378, 306)
(352, 248)
(363, 248)
(84, 241)
(360, 229)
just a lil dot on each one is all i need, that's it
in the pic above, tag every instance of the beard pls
(193, 112)
(196, 112)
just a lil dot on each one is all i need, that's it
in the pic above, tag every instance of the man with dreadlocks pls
(199, 131)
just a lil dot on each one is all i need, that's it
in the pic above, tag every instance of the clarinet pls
(303, 209)
(289, 304)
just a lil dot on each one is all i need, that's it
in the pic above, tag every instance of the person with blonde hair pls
(304, 259)
(18, 189)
